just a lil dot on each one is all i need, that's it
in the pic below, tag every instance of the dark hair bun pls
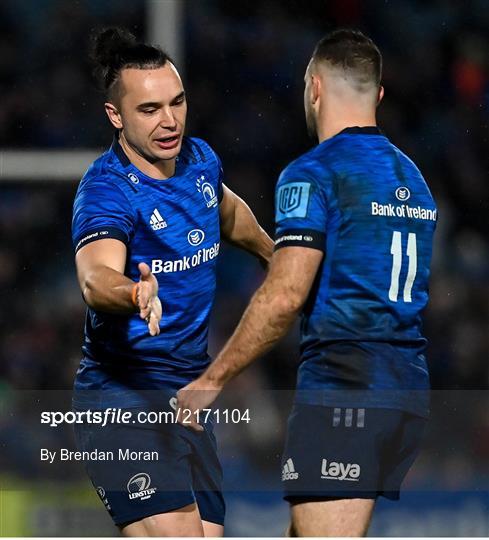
(108, 45)
(113, 49)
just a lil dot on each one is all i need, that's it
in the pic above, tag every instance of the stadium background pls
(243, 65)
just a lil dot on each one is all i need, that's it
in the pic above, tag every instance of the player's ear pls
(381, 94)
(315, 89)
(114, 115)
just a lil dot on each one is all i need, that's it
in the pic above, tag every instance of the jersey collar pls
(126, 162)
(356, 130)
(119, 152)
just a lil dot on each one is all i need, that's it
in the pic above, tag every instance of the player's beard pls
(311, 122)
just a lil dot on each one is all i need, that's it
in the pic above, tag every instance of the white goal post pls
(164, 21)
(38, 165)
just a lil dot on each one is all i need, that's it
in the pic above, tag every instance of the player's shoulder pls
(196, 150)
(102, 180)
(404, 158)
(104, 170)
(408, 167)
(307, 167)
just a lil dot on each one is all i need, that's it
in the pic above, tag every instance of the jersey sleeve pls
(300, 212)
(213, 163)
(220, 179)
(100, 211)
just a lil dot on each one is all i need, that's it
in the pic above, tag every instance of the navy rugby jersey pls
(365, 204)
(173, 226)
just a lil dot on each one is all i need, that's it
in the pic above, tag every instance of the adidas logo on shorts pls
(288, 471)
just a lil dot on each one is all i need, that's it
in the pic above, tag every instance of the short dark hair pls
(353, 51)
(114, 49)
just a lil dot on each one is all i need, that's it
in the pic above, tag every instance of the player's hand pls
(196, 396)
(147, 299)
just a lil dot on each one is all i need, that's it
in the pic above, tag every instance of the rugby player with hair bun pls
(147, 221)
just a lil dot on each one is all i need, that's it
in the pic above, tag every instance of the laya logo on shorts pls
(139, 487)
(292, 200)
(288, 471)
(340, 471)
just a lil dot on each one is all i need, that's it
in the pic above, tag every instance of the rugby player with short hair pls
(355, 222)
(147, 220)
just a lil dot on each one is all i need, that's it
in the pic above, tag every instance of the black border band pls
(100, 233)
(302, 238)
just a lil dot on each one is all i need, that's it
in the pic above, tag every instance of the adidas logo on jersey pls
(288, 471)
(156, 221)
(340, 471)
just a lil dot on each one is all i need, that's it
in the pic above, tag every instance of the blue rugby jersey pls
(173, 226)
(365, 204)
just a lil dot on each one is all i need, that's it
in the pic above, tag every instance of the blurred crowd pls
(243, 70)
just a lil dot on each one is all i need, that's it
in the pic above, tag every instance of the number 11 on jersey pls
(396, 252)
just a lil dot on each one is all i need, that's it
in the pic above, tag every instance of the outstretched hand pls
(147, 299)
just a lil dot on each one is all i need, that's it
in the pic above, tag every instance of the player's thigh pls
(401, 451)
(149, 474)
(183, 522)
(335, 517)
(212, 530)
(207, 479)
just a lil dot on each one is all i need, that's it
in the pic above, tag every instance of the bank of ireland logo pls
(133, 178)
(138, 487)
(403, 193)
(293, 200)
(207, 190)
(195, 237)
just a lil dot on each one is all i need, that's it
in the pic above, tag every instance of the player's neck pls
(330, 126)
(160, 170)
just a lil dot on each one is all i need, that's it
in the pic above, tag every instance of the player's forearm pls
(105, 289)
(245, 232)
(266, 320)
